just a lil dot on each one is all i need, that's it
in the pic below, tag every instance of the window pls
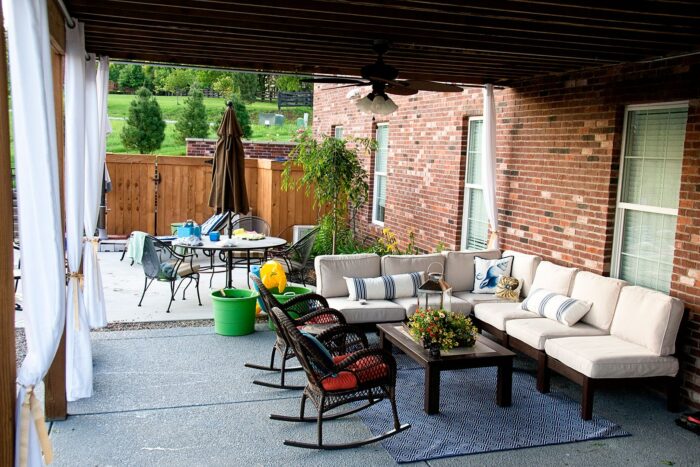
(338, 132)
(647, 200)
(475, 223)
(380, 159)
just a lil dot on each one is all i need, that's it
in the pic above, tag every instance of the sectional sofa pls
(628, 334)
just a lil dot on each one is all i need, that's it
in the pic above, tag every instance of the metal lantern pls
(435, 292)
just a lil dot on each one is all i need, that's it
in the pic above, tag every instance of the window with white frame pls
(475, 223)
(338, 132)
(380, 164)
(647, 200)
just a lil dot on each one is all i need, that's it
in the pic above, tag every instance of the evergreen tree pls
(242, 115)
(192, 120)
(145, 128)
(131, 76)
(247, 85)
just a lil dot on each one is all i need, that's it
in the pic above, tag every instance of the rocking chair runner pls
(364, 374)
(303, 310)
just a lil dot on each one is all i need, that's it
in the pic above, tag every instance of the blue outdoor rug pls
(470, 422)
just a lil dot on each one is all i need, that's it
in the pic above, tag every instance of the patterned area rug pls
(470, 422)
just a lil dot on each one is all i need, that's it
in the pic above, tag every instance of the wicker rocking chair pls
(353, 373)
(309, 311)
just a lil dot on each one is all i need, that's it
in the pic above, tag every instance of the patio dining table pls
(246, 246)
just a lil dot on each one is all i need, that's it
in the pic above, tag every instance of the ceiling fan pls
(383, 79)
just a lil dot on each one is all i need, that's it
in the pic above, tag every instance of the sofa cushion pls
(609, 357)
(476, 298)
(373, 311)
(459, 267)
(602, 292)
(401, 264)
(457, 305)
(552, 277)
(524, 269)
(488, 271)
(561, 308)
(384, 287)
(535, 332)
(330, 270)
(647, 318)
(497, 314)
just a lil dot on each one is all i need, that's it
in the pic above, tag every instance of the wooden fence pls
(140, 200)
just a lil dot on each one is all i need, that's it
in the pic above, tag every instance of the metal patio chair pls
(163, 264)
(352, 373)
(296, 256)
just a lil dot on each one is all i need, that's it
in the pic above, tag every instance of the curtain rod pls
(66, 14)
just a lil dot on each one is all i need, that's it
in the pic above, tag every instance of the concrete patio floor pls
(182, 397)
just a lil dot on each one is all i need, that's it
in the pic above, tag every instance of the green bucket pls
(288, 294)
(234, 311)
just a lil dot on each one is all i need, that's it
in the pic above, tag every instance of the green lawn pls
(171, 105)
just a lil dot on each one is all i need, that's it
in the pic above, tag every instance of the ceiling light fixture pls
(377, 102)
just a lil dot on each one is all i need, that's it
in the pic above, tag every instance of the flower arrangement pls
(445, 328)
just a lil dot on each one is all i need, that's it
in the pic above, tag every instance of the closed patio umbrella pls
(228, 190)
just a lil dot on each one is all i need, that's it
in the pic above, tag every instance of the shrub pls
(243, 116)
(145, 128)
(192, 120)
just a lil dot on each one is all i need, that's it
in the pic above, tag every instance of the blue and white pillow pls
(557, 307)
(384, 287)
(488, 271)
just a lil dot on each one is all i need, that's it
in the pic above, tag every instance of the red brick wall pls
(558, 151)
(253, 150)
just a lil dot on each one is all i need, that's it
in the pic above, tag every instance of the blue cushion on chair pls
(327, 358)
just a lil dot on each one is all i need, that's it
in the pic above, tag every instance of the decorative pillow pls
(384, 287)
(324, 353)
(508, 288)
(488, 271)
(557, 307)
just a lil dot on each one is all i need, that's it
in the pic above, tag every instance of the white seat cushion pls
(535, 332)
(609, 357)
(459, 267)
(497, 314)
(374, 311)
(524, 269)
(647, 318)
(557, 279)
(402, 264)
(330, 270)
(602, 292)
(411, 303)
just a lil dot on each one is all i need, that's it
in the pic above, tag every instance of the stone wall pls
(558, 153)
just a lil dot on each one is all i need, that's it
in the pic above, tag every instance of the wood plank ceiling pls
(498, 41)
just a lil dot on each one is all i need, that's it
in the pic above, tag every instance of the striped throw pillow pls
(384, 287)
(560, 308)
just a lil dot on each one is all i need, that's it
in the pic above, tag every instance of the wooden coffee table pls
(485, 353)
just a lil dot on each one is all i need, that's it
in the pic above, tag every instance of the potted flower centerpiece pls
(441, 330)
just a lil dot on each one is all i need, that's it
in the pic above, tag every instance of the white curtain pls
(41, 238)
(488, 164)
(95, 105)
(78, 350)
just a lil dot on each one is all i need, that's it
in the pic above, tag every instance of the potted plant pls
(441, 329)
(332, 172)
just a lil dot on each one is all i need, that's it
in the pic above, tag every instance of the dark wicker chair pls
(357, 373)
(161, 263)
(296, 256)
(308, 309)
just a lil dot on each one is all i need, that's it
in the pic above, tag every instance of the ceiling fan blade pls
(348, 86)
(334, 80)
(400, 90)
(431, 86)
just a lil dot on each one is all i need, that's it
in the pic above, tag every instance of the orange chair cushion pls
(341, 382)
(362, 371)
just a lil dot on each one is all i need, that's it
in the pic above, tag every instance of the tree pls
(145, 128)
(288, 83)
(332, 172)
(114, 70)
(224, 85)
(131, 77)
(247, 85)
(243, 116)
(192, 120)
(160, 75)
(207, 78)
(179, 81)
